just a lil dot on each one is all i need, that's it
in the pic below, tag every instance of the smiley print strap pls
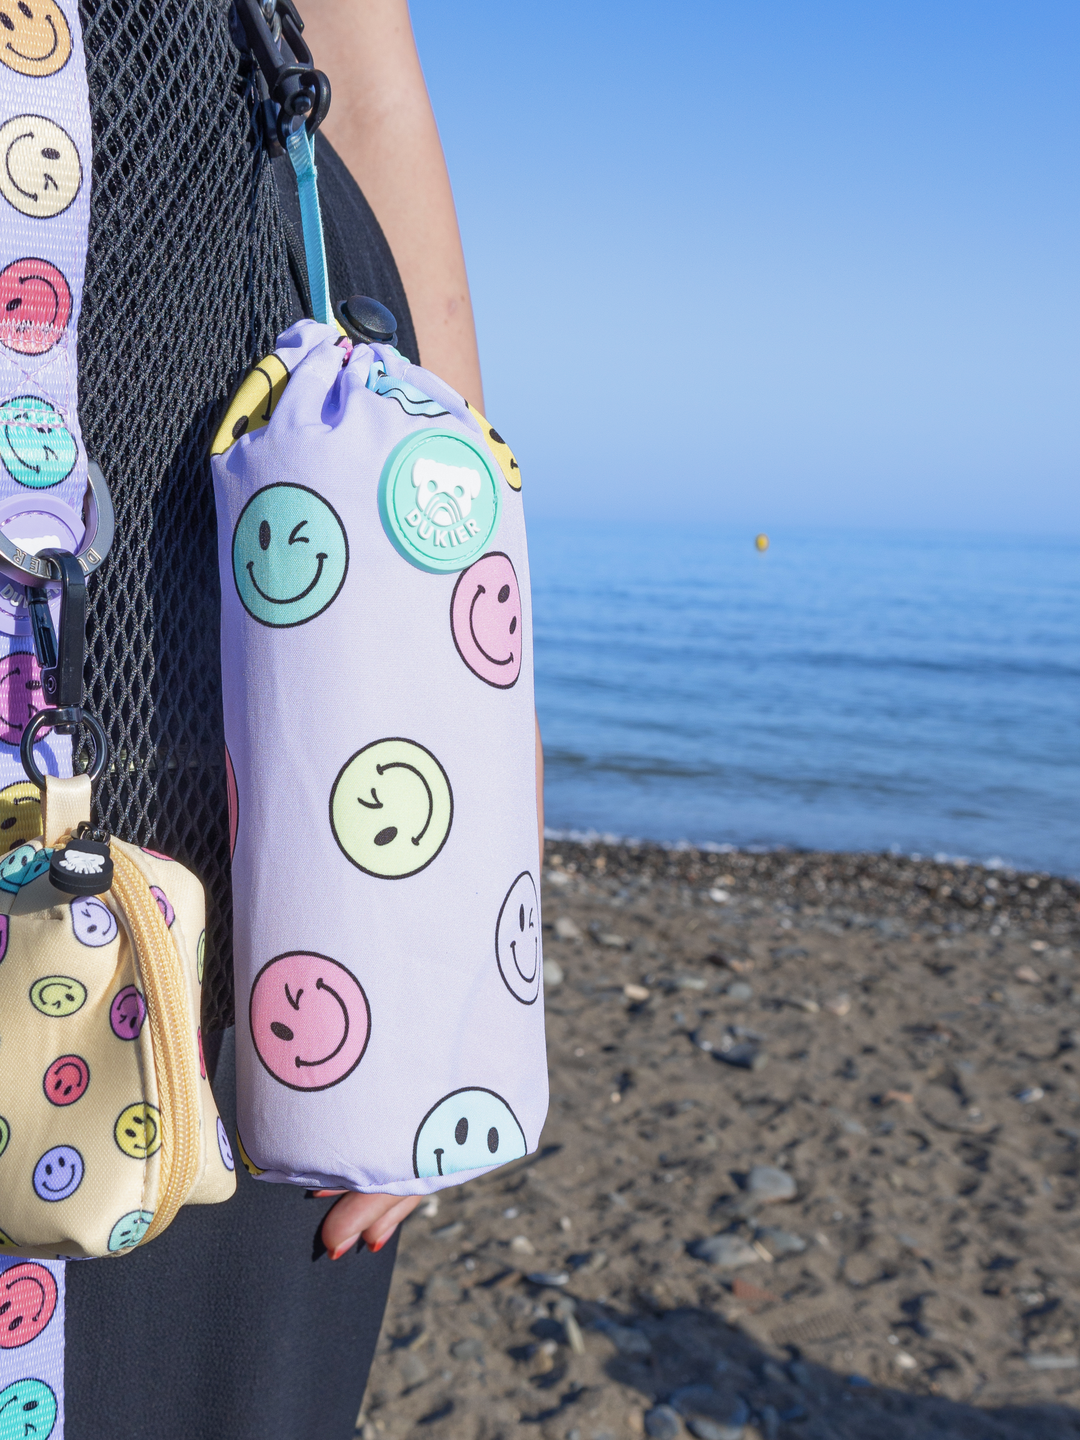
(45, 167)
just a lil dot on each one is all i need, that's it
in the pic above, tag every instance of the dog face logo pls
(439, 498)
(444, 493)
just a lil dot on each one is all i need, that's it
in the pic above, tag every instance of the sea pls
(840, 690)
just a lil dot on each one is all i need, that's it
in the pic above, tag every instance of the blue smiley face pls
(290, 555)
(470, 1129)
(22, 865)
(36, 446)
(129, 1230)
(27, 1411)
(57, 1175)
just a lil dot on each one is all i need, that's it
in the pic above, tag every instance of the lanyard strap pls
(301, 150)
(45, 170)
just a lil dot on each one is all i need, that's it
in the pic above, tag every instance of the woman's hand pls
(371, 1218)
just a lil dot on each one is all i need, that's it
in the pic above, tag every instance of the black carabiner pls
(62, 658)
(292, 91)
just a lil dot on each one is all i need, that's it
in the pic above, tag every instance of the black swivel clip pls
(61, 657)
(291, 90)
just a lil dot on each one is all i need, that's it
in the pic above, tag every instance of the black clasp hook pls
(292, 90)
(62, 658)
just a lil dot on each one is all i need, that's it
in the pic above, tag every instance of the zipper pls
(168, 1014)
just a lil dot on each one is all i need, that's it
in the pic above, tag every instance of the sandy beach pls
(810, 1168)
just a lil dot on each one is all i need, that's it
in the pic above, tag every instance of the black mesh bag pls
(193, 268)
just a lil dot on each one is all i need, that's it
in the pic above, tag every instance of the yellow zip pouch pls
(107, 1119)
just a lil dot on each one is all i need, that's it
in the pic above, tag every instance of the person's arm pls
(381, 124)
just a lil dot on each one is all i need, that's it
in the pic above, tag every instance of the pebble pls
(566, 929)
(1031, 1094)
(780, 1242)
(727, 1251)
(690, 982)
(900, 1097)
(637, 994)
(841, 1005)
(548, 1277)
(615, 942)
(1052, 1362)
(413, 1370)
(744, 1057)
(663, 1423)
(522, 1245)
(740, 991)
(904, 1361)
(447, 1232)
(470, 1348)
(1026, 975)
(799, 1002)
(769, 1185)
(626, 1339)
(553, 974)
(719, 897)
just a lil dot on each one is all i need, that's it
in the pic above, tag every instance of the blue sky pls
(774, 262)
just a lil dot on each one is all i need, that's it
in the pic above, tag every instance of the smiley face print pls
(485, 620)
(66, 1080)
(391, 808)
(36, 446)
(127, 1013)
(20, 696)
(22, 865)
(253, 404)
(36, 39)
(20, 814)
(35, 305)
(57, 1175)
(27, 1410)
(470, 1129)
(499, 448)
(40, 170)
(517, 940)
(94, 923)
(290, 555)
(309, 1020)
(138, 1130)
(28, 1296)
(129, 1230)
(57, 995)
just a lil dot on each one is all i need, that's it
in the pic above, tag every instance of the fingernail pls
(344, 1249)
(378, 1245)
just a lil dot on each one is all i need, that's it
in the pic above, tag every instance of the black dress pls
(234, 1323)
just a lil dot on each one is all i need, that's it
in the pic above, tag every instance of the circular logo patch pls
(290, 555)
(439, 500)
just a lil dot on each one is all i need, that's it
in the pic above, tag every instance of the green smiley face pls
(57, 995)
(290, 555)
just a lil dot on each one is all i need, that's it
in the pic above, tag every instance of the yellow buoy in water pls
(762, 542)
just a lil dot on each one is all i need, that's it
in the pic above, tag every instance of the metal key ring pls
(100, 525)
(48, 717)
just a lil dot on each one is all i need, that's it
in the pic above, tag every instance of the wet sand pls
(861, 1073)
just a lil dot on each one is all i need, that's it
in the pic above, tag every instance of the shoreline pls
(811, 1168)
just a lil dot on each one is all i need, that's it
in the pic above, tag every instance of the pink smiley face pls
(66, 1080)
(310, 1020)
(21, 696)
(485, 620)
(163, 903)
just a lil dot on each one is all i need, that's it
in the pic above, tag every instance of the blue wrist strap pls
(301, 148)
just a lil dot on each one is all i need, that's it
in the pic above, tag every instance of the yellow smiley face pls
(20, 814)
(40, 170)
(253, 404)
(138, 1130)
(6, 1242)
(35, 39)
(499, 448)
